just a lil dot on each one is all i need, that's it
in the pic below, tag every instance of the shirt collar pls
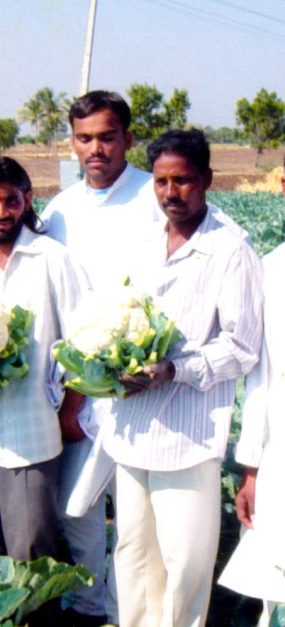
(121, 180)
(201, 241)
(27, 241)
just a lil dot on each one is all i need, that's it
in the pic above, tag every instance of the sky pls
(218, 50)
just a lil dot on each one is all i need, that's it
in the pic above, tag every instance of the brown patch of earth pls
(231, 165)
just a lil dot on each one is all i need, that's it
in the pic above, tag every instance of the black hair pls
(97, 100)
(13, 173)
(191, 144)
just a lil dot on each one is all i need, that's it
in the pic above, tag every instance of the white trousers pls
(168, 527)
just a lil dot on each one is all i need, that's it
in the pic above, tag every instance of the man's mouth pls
(6, 224)
(97, 161)
(173, 204)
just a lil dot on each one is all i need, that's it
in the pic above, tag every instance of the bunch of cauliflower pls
(120, 331)
(98, 323)
(4, 331)
(14, 337)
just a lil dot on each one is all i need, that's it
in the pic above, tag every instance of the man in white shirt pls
(169, 436)
(257, 566)
(101, 220)
(37, 274)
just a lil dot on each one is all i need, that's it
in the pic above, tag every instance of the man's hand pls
(70, 428)
(246, 497)
(152, 377)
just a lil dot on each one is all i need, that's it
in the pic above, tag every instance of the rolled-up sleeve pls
(235, 348)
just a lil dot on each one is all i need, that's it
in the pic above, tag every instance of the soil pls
(231, 165)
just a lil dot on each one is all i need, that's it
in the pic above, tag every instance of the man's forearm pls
(71, 430)
(245, 500)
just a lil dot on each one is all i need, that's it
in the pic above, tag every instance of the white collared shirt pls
(263, 422)
(103, 233)
(38, 276)
(211, 287)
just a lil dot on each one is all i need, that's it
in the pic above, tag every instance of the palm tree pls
(47, 112)
(31, 112)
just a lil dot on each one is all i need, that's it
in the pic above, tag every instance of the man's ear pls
(208, 177)
(129, 140)
(28, 200)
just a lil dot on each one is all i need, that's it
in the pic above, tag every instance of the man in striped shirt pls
(169, 436)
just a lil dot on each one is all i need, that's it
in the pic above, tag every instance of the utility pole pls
(85, 72)
(70, 169)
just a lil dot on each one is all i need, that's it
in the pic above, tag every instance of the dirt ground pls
(231, 165)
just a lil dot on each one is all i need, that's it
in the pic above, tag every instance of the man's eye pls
(107, 138)
(84, 139)
(12, 202)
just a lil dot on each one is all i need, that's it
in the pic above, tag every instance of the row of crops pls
(262, 214)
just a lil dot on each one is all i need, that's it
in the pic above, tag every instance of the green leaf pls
(10, 601)
(25, 586)
(68, 356)
(47, 579)
(7, 570)
(278, 616)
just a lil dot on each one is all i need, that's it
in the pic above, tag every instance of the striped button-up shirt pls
(38, 276)
(211, 287)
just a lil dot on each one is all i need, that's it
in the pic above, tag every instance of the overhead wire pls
(251, 11)
(203, 14)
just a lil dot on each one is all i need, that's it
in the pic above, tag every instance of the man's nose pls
(171, 189)
(3, 209)
(96, 146)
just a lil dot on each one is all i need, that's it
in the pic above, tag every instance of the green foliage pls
(261, 214)
(263, 120)
(137, 156)
(26, 139)
(39, 204)
(152, 114)
(25, 586)
(8, 132)
(278, 616)
(13, 364)
(47, 113)
(175, 109)
(223, 135)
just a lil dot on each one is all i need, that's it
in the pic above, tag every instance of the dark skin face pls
(100, 144)
(13, 206)
(181, 192)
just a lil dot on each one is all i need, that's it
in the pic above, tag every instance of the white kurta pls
(255, 568)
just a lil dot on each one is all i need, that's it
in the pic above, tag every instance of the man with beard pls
(37, 274)
(169, 436)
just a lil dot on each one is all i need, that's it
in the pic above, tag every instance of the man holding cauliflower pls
(39, 287)
(169, 435)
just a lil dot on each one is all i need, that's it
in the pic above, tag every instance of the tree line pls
(260, 122)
